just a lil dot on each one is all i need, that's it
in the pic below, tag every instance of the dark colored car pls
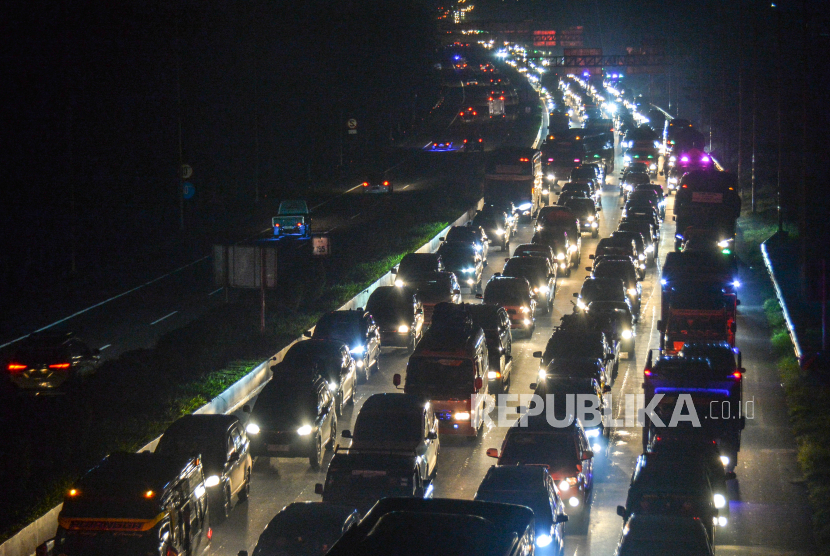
(648, 534)
(377, 183)
(223, 446)
(469, 234)
(567, 393)
(579, 341)
(516, 296)
(329, 360)
(399, 315)
(621, 247)
(616, 319)
(578, 366)
(441, 527)
(641, 207)
(631, 182)
(533, 487)
(647, 231)
(48, 363)
(497, 225)
(495, 322)
(465, 261)
(436, 288)
(564, 219)
(415, 265)
(644, 216)
(586, 211)
(646, 249)
(305, 529)
(600, 289)
(293, 420)
(623, 269)
(652, 193)
(539, 273)
(535, 250)
(558, 240)
(356, 329)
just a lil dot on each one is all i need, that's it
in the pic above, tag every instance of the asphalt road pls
(768, 506)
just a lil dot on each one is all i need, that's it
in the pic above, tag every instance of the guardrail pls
(782, 303)
(27, 540)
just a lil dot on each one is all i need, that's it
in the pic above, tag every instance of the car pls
(600, 289)
(586, 211)
(533, 487)
(402, 423)
(576, 338)
(649, 534)
(497, 225)
(587, 172)
(646, 215)
(654, 193)
(221, 443)
(625, 269)
(648, 156)
(305, 529)
(578, 189)
(436, 288)
(641, 207)
(621, 248)
(646, 231)
(643, 248)
(516, 296)
(51, 363)
(564, 450)
(565, 219)
(644, 226)
(329, 360)
(440, 527)
(377, 183)
(293, 220)
(356, 329)
(495, 322)
(558, 241)
(469, 234)
(578, 366)
(571, 391)
(293, 420)
(632, 181)
(616, 319)
(465, 261)
(398, 314)
(444, 146)
(415, 265)
(535, 250)
(468, 115)
(539, 273)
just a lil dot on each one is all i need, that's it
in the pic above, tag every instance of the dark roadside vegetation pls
(807, 389)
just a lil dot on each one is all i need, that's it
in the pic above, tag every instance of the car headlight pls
(641, 256)
(591, 218)
(252, 428)
(573, 501)
(722, 521)
(471, 282)
(565, 484)
(594, 224)
(650, 248)
(627, 158)
(580, 304)
(545, 192)
(525, 206)
(632, 292)
(403, 329)
(592, 433)
(526, 322)
(627, 334)
(305, 430)
(724, 460)
(652, 166)
(492, 375)
(525, 309)
(461, 416)
(212, 481)
(723, 244)
(543, 540)
(672, 159)
(551, 177)
(468, 270)
(332, 387)
(399, 283)
(357, 350)
(572, 248)
(720, 500)
(560, 256)
(542, 289)
(542, 374)
(499, 232)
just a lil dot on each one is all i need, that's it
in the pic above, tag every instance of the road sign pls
(321, 246)
(188, 190)
(352, 123)
(187, 171)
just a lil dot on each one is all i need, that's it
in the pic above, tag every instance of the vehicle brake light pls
(647, 372)
(737, 375)
(59, 366)
(171, 552)
(386, 183)
(365, 184)
(16, 367)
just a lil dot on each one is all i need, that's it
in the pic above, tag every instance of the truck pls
(293, 219)
(513, 177)
(698, 315)
(561, 153)
(707, 199)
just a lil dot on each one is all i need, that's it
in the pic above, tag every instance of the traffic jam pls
(480, 403)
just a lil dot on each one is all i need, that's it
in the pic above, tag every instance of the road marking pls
(113, 298)
(355, 216)
(406, 186)
(102, 348)
(216, 291)
(162, 318)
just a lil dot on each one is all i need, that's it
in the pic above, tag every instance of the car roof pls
(155, 471)
(393, 401)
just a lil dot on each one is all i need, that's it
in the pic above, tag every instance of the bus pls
(513, 180)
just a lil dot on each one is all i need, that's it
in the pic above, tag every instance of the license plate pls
(623, 355)
(278, 448)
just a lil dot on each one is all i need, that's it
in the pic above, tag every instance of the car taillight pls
(14, 367)
(386, 183)
(59, 366)
(647, 372)
(736, 375)
(365, 184)
(171, 552)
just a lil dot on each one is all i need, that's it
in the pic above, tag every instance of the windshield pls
(283, 404)
(536, 501)
(439, 378)
(462, 234)
(602, 289)
(555, 449)
(621, 270)
(304, 357)
(121, 497)
(457, 256)
(390, 303)
(411, 265)
(564, 344)
(581, 206)
(301, 534)
(503, 292)
(340, 325)
(433, 291)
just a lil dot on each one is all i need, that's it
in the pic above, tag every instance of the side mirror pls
(588, 268)
(506, 259)
(533, 385)
(562, 518)
(246, 408)
(674, 218)
(307, 333)
(576, 294)
(621, 512)
(587, 454)
(396, 380)
(318, 488)
(233, 457)
(660, 325)
(733, 327)
(479, 383)
(743, 370)
(592, 256)
(432, 435)
(394, 270)
(730, 476)
(737, 302)
(346, 433)
(492, 453)
(537, 354)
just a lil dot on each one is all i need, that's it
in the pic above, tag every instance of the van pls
(450, 367)
(135, 504)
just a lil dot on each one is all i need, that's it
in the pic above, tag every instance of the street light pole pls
(179, 121)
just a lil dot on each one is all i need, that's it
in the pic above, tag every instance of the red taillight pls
(461, 113)
(59, 366)
(684, 186)
(647, 372)
(386, 183)
(210, 533)
(736, 375)
(171, 552)
(16, 367)
(365, 184)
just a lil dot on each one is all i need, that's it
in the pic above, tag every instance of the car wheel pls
(246, 488)
(367, 369)
(225, 511)
(316, 456)
(333, 438)
(350, 401)
(376, 365)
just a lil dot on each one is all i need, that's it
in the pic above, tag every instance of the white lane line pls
(406, 186)
(162, 318)
(216, 291)
(102, 348)
(355, 216)
(113, 298)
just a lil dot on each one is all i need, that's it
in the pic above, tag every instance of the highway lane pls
(768, 510)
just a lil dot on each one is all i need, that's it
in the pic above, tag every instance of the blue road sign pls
(188, 190)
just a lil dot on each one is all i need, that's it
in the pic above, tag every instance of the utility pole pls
(779, 71)
(754, 103)
(179, 120)
(740, 90)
